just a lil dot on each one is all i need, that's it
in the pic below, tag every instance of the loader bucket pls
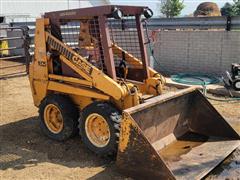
(174, 136)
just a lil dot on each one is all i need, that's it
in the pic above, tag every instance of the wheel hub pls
(97, 130)
(53, 118)
(237, 85)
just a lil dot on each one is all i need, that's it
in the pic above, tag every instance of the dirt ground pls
(25, 153)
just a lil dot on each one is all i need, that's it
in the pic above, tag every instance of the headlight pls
(148, 13)
(117, 13)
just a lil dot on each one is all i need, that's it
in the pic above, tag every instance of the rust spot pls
(124, 132)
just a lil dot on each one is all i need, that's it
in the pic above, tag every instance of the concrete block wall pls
(210, 52)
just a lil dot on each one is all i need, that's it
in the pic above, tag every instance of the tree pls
(231, 9)
(226, 10)
(236, 7)
(171, 8)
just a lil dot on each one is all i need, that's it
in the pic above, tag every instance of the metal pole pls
(228, 24)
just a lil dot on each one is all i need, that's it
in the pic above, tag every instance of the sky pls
(37, 7)
(190, 5)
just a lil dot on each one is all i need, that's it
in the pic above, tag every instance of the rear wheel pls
(99, 128)
(58, 117)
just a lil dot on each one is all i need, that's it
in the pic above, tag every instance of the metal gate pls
(14, 51)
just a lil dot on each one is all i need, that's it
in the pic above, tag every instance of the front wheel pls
(99, 128)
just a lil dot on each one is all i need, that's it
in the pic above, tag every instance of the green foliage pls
(231, 9)
(236, 8)
(171, 8)
(226, 10)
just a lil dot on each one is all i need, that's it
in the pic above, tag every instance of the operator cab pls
(110, 38)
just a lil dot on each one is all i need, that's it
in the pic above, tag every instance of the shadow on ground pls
(23, 145)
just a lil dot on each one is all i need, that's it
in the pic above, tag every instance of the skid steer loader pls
(90, 74)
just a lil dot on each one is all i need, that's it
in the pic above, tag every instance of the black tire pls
(113, 117)
(235, 82)
(70, 115)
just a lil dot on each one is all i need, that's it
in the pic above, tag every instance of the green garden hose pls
(200, 79)
(191, 78)
(194, 79)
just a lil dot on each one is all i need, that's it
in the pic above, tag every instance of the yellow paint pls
(154, 84)
(69, 89)
(97, 130)
(100, 80)
(4, 45)
(53, 118)
(124, 132)
(94, 84)
(133, 60)
(70, 79)
(81, 101)
(38, 73)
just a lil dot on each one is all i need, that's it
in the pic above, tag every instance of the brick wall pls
(210, 52)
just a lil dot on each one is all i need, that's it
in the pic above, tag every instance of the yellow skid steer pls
(90, 75)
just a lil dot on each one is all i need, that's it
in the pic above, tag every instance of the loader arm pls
(89, 72)
(97, 84)
(152, 85)
(133, 60)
